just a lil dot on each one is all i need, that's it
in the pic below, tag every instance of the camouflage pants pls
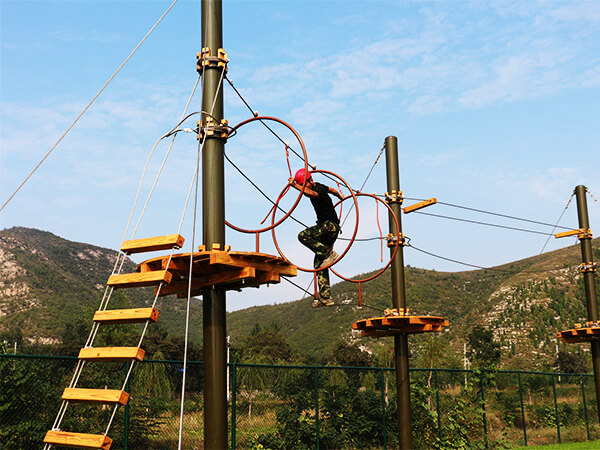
(320, 239)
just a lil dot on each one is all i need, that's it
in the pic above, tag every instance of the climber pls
(320, 237)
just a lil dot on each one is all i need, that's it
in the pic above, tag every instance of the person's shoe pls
(330, 258)
(323, 302)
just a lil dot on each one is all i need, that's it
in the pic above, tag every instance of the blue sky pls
(495, 105)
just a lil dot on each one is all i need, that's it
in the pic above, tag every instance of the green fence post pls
(522, 409)
(233, 403)
(485, 432)
(587, 423)
(383, 409)
(437, 404)
(556, 409)
(317, 405)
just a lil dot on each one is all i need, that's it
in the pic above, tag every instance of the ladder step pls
(139, 279)
(152, 244)
(112, 353)
(95, 395)
(135, 315)
(81, 440)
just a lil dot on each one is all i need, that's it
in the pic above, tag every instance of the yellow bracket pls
(212, 129)
(581, 233)
(394, 197)
(395, 312)
(392, 239)
(205, 60)
(423, 204)
(589, 267)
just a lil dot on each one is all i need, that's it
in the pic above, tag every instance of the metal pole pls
(589, 281)
(556, 409)
(522, 409)
(213, 215)
(233, 404)
(398, 295)
(587, 422)
(383, 408)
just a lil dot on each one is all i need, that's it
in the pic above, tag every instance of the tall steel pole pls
(213, 216)
(398, 294)
(589, 279)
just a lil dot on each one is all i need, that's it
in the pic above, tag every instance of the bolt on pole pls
(213, 222)
(589, 280)
(399, 297)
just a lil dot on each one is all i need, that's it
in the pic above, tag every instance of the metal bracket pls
(205, 60)
(589, 267)
(395, 312)
(212, 129)
(583, 233)
(393, 240)
(394, 197)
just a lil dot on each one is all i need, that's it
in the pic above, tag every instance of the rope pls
(557, 222)
(592, 195)
(88, 105)
(483, 223)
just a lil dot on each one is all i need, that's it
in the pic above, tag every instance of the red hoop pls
(351, 240)
(289, 127)
(358, 194)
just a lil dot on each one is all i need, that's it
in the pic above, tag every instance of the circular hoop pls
(358, 194)
(273, 225)
(303, 269)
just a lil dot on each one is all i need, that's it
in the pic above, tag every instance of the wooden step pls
(80, 440)
(152, 244)
(112, 353)
(140, 279)
(135, 315)
(103, 396)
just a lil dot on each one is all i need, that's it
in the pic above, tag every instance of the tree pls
(484, 351)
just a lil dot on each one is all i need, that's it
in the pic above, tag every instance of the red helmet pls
(302, 175)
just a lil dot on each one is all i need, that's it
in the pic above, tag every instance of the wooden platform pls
(223, 268)
(152, 244)
(399, 324)
(78, 440)
(112, 353)
(135, 315)
(104, 396)
(580, 335)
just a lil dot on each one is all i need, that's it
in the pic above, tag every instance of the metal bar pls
(317, 423)
(522, 408)
(437, 404)
(556, 409)
(399, 299)
(213, 222)
(585, 411)
(589, 281)
(233, 403)
(383, 407)
(485, 428)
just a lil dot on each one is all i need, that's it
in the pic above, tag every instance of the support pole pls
(589, 281)
(213, 216)
(399, 297)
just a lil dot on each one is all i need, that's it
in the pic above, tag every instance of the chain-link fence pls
(283, 407)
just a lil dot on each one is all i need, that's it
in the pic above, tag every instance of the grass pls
(569, 446)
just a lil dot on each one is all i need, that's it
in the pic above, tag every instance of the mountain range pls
(47, 282)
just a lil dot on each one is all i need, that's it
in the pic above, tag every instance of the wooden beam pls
(135, 315)
(230, 259)
(112, 353)
(152, 244)
(140, 279)
(81, 440)
(95, 395)
(217, 279)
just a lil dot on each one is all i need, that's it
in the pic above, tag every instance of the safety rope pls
(557, 222)
(88, 105)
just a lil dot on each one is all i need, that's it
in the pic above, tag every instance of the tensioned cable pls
(487, 212)
(557, 222)
(482, 223)
(88, 105)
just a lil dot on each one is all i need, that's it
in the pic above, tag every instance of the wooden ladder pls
(112, 397)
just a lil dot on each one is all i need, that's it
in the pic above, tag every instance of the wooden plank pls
(134, 315)
(81, 440)
(112, 353)
(218, 278)
(140, 279)
(231, 260)
(152, 244)
(95, 395)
